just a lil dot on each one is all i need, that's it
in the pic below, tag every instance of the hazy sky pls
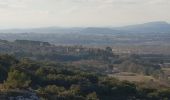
(38, 13)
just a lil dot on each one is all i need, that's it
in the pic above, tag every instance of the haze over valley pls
(140, 38)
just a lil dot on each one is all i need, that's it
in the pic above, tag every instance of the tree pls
(3, 74)
(6, 62)
(51, 89)
(17, 79)
(108, 49)
(92, 96)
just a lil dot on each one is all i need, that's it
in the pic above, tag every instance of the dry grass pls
(139, 78)
(132, 77)
(166, 70)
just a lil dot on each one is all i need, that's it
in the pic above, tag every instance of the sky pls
(81, 13)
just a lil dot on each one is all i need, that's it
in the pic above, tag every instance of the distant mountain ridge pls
(151, 27)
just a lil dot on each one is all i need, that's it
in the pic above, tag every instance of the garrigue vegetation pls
(54, 81)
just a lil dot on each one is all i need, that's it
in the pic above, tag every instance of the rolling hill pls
(151, 27)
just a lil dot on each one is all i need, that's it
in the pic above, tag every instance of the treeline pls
(52, 81)
(47, 51)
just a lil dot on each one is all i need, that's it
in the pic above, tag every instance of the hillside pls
(51, 81)
(151, 27)
(41, 70)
